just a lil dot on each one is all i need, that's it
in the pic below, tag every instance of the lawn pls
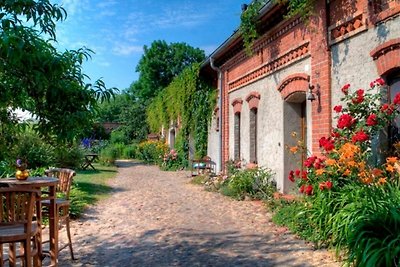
(90, 186)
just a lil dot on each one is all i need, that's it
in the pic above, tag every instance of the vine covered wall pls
(189, 101)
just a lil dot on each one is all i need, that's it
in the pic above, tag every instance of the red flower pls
(360, 136)
(360, 97)
(326, 143)
(321, 186)
(388, 109)
(328, 184)
(372, 120)
(380, 81)
(304, 176)
(335, 134)
(345, 89)
(310, 161)
(291, 176)
(301, 189)
(318, 164)
(309, 190)
(297, 173)
(338, 108)
(345, 121)
(396, 99)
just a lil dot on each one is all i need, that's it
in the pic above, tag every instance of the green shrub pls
(152, 151)
(69, 156)
(108, 155)
(34, 150)
(130, 151)
(256, 183)
(118, 137)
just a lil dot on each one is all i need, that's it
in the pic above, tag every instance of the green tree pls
(34, 76)
(160, 63)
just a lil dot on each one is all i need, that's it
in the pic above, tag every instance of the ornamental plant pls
(348, 192)
(346, 155)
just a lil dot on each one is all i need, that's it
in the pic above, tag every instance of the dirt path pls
(156, 218)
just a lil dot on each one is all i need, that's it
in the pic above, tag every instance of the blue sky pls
(117, 30)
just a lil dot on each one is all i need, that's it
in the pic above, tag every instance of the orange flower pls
(319, 171)
(294, 149)
(351, 163)
(391, 160)
(382, 181)
(347, 172)
(390, 168)
(330, 162)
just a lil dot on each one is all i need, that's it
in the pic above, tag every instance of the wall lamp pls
(312, 92)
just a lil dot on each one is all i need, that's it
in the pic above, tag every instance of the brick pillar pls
(320, 75)
(225, 122)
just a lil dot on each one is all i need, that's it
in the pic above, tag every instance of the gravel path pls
(156, 218)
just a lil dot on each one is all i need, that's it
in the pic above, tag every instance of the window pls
(237, 136)
(253, 135)
(394, 128)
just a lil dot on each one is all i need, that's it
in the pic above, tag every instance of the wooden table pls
(50, 183)
(89, 158)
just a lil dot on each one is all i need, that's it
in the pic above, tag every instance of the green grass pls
(89, 187)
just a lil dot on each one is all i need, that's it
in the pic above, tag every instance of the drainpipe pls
(219, 72)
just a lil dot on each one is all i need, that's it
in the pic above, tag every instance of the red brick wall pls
(320, 75)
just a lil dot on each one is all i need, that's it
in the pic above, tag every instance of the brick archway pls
(292, 84)
(387, 56)
(253, 99)
(237, 105)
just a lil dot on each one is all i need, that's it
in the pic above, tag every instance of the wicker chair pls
(17, 210)
(62, 204)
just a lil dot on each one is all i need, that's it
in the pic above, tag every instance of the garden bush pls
(256, 183)
(109, 154)
(152, 151)
(69, 156)
(130, 151)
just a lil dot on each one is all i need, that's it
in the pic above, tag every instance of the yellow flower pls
(294, 134)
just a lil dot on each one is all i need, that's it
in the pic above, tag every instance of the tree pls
(160, 63)
(34, 76)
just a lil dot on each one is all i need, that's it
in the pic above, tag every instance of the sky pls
(117, 30)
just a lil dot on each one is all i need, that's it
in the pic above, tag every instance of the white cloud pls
(121, 49)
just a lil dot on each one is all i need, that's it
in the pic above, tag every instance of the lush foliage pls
(188, 101)
(354, 186)
(38, 78)
(152, 151)
(256, 183)
(248, 18)
(160, 64)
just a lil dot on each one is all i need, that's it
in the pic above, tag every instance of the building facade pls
(285, 90)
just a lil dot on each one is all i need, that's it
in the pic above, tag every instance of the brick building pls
(266, 96)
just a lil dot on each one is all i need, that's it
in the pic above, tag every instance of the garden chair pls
(62, 204)
(17, 211)
(204, 165)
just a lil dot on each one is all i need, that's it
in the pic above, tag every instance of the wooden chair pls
(17, 210)
(62, 204)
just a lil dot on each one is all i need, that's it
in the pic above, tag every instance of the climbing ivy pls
(248, 19)
(190, 101)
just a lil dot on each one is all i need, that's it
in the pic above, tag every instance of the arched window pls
(236, 130)
(253, 135)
